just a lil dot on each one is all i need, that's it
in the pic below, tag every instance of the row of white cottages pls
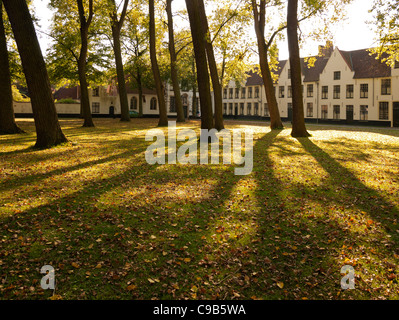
(341, 87)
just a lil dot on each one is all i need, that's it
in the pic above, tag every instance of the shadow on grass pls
(365, 198)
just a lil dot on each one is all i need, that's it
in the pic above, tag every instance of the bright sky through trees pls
(353, 34)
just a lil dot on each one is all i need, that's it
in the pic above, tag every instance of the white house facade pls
(105, 102)
(340, 87)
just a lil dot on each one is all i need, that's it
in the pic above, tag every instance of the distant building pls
(341, 87)
(105, 102)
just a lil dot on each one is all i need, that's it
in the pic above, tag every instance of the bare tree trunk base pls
(14, 130)
(277, 126)
(300, 134)
(88, 125)
(48, 144)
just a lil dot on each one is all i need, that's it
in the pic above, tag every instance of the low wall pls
(62, 108)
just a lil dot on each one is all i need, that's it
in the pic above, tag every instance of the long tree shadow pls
(370, 201)
(117, 225)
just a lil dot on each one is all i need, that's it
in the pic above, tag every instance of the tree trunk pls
(116, 26)
(140, 88)
(298, 120)
(217, 88)
(194, 101)
(163, 117)
(204, 89)
(82, 65)
(7, 119)
(259, 18)
(120, 74)
(173, 64)
(84, 94)
(48, 129)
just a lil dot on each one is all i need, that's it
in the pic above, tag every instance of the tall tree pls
(173, 63)
(259, 11)
(387, 22)
(163, 118)
(199, 41)
(7, 119)
(67, 44)
(48, 129)
(116, 26)
(82, 60)
(298, 121)
(138, 66)
(217, 88)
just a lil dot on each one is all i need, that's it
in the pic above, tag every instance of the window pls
(324, 112)
(310, 90)
(337, 75)
(224, 93)
(230, 108)
(256, 92)
(289, 93)
(250, 92)
(256, 109)
(281, 92)
(364, 90)
(231, 93)
(95, 107)
(396, 64)
(241, 109)
(364, 113)
(324, 92)
(237, 93)
(386, 87)
(336, 112)
(384, 111)
(337, 92)
(133, 103)
(243, 91)
(266, 108)
(349, 91)
(153, 104)
(236, 109)
(224, 108)
(309, 110)
(172, 107)
(96, 92)
(249, 106)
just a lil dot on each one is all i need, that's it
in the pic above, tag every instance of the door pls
(112, 111)
(396, 114)
(349, 114)
(289, 109)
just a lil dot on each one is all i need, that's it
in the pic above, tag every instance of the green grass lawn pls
(114, 227)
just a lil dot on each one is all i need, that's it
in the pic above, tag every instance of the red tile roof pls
(365, 65)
